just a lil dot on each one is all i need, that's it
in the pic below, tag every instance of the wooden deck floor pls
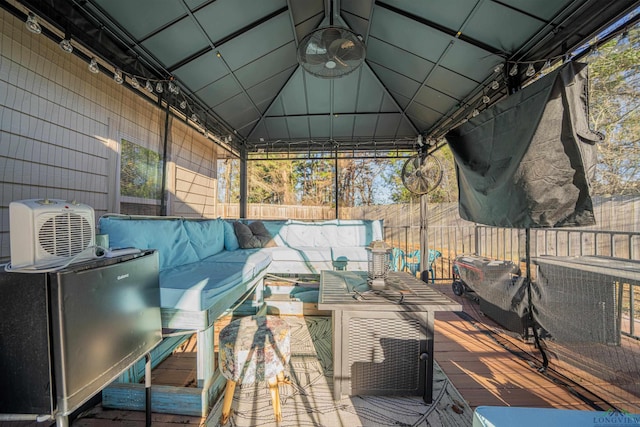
(485, 367)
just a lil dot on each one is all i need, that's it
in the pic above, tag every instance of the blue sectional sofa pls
(204, 272)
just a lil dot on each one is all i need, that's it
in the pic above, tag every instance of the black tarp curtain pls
(529, 160)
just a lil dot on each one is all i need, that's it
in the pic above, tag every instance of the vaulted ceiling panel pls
(175, 42)
(363, 124)
(238, 111)
(370, 93)
(264, 93)
(450, 14)
(451, 83)
(387, 125)
(223, 17)
(277, 128)
(294, 95)
(408, 34)
(514, 30)
(422, 114)
(320, 127)
(342, 125)
(542, 9)
(236, 62)
(398, 60)
(435, 100)
(219, 91)
(298, 127)
(282, 58)
(396, 82)
(470, 61)
(345, 93)
(198, 73)
(317, 94)
(128, 14)
(258, 41)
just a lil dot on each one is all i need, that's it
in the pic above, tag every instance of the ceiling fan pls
(331, 51)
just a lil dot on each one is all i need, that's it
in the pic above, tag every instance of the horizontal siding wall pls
(61, 127)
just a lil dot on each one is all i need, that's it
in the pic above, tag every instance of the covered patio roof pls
(429, 65)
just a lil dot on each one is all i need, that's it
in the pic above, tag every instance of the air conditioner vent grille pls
(64, 234)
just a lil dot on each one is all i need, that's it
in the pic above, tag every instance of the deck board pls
(485, 368)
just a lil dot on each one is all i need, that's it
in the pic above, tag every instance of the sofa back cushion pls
(333, 233)
(206, 236)
(167, 236)
(230, 239)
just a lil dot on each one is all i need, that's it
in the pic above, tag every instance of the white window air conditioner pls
(49, 231)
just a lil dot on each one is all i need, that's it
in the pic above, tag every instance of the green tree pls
(614, 71)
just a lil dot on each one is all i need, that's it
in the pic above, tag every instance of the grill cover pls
(528, 161)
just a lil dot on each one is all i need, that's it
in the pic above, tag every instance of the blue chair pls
(413, 262)
(433, 255)
(397, 260)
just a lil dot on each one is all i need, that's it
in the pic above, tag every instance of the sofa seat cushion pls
(195, 286)
(254, 259)
(351, 253)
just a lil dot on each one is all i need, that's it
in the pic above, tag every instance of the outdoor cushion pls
(206, 237)
(168, 237)
(230, 238)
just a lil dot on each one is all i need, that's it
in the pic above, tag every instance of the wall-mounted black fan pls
(422, 173)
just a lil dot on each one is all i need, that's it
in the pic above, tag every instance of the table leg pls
(275, 398)
(226, 404)
(428, 384)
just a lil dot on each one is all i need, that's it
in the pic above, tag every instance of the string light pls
(514, 70)
(530, 71)
(495, 85)
(486, 99)
(65, 44)
(93, 66)
(32, 24)
(117, 76)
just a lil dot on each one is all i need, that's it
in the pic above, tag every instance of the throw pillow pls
(230, 238)
(246, 239)
(262, 234)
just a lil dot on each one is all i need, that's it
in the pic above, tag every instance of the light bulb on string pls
(514, 70)
(93, 66)
(173, 88)
(183, 104)
(65, 44)
(546, 67)
(159, 87)
(530, 71)
(117, 76)
(475, 113)
(135, 83)
(32, 24)
(148, 86)
(486, 99)
(495, 85)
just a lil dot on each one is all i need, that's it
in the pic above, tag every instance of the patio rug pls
(308, 400)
